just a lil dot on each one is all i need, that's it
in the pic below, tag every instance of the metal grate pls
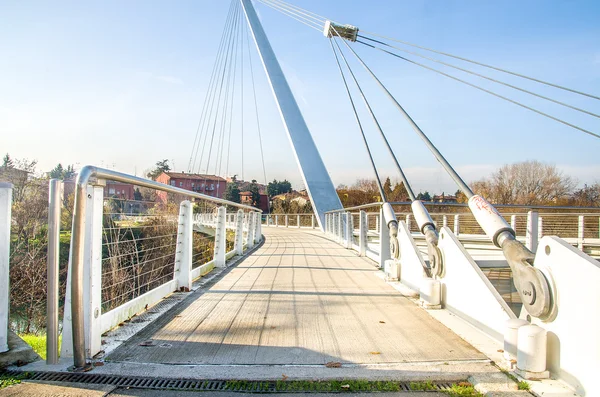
(210, 385)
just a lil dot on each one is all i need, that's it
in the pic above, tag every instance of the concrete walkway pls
(298, 300)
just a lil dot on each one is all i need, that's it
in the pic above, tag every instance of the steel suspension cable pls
(242, 113)
(484, 90)
(485, 77)
(231, 76)
(484, 65)
(360, 127)
(409, 190)
(262, 156)
(297, 17)
(226, 67)
(302, 10)
(221, 72)
(320, 20)
(439, 157)
(198, 138)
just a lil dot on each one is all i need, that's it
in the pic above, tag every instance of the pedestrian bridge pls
(298, 299)
(211, 289)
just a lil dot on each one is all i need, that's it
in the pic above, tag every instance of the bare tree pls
(529, 182)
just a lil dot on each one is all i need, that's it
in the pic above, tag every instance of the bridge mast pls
(316, 179)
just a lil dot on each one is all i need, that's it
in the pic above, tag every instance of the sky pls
(121, 84)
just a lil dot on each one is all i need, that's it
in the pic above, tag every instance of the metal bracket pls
(394, 244)
(531, 283)
(436, 264)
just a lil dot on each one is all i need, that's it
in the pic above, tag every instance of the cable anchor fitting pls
(392, 223)
(531, 284)
(347, 32)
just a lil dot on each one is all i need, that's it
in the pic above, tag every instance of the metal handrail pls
(86, 175)
(358, 207)
(465, 205)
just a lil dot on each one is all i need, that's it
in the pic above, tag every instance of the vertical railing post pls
(52, 285)
(257, 230)
(377, 222)
(250, 228)
(312, 221)
(457, 224)
(340, 227)
(349, 230)
(183, 250)
(513, 223)
(362, 233)
(286, 220)
(540, 228)
(239, 233)
(531, 235)
(92, 262)
(5, 222)
(298, 221)
(445, 221)
(408, 221)
(220, 237)
(384, 240)
(276, 220)
(580, 232)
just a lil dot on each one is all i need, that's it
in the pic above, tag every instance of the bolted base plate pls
(532, 375)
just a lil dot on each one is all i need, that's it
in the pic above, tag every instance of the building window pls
(180, 184)
(193, 184)
(212, 186)
(111, 190)
(172, 183)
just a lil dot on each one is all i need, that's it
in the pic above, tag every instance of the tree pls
(61, 173)
(460, 197)
(399, 193)
(587, 196)
(232, 193)
(424, 196)
(387, 189)
(161, 166)
(7, 162)
(18, 172)
(278, 187)
(253, 188)
(529, 183)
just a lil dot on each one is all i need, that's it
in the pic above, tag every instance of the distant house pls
(443, 198)
(246, 199)
(211, 185)
(123, 191)
(244, 185)
(300, 197)
(13, 175)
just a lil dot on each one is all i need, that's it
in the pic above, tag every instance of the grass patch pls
(422, 386)
(10, 380)
(522, 385)
(463, 389)
(38, 343)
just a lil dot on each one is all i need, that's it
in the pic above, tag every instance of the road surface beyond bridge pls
(299, 299)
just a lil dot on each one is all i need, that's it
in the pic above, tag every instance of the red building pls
(121, 190)
(211, 185)
(246, 199)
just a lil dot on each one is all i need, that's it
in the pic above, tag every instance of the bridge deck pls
(299, 299)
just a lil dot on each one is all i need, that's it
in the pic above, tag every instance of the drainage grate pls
(136, 382)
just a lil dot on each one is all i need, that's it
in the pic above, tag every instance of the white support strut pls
(314, 174)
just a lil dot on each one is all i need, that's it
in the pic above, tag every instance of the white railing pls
(305, 221)
(466, 291)
(123, 263)
(580, 229)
